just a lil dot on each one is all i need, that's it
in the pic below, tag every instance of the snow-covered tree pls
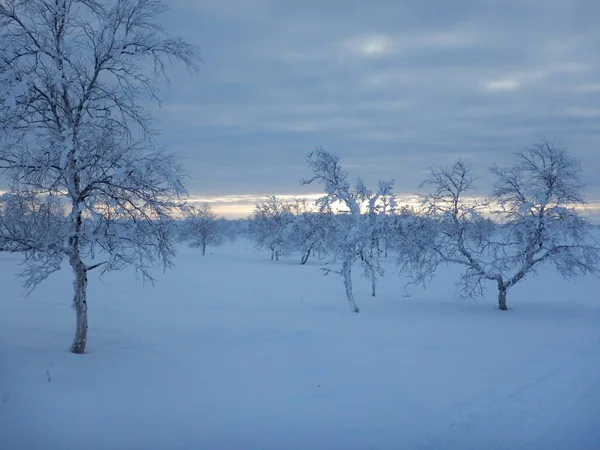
(309, 232)
(72, 74)
(538, 220)
(381, 219)
(28, 221)
(540, 202)
(235, 228)
(385, 234)
(270, 224)
(353, 230)
(202, 228)
(448, 229)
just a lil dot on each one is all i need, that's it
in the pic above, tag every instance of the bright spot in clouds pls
(507, 84)
(374, 45)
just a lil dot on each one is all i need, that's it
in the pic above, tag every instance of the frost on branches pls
(310, 230)
(270, 225)
(353, 232)
(28, 220)
(540, 201)
(202, 228)
(533, 217)
(287, 227)
(74, 133)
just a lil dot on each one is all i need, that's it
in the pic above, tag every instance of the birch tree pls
(353, 230)
(536, 205)
(448, 230)
(202, 228)
(541, 202)
(309, 230)
(270, 225)
(72, 76)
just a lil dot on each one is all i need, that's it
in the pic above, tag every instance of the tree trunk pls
(80, 306)
(77, 264)
(80, 295)
(502, 296)
(305, 257)
(203, 248)
(347, 272)
(373, 281)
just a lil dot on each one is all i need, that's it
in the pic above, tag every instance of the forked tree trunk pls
(347, 272)
(502, 296)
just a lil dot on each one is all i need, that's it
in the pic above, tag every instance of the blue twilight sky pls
(391, 86)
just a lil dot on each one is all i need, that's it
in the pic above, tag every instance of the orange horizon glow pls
(241, 206)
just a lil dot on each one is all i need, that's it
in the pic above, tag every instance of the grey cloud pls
(391, 86)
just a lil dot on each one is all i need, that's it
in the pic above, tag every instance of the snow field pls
(234, 351)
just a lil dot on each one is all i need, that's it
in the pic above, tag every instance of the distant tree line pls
(532, 217)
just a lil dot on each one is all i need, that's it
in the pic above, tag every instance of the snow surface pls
(234, 351)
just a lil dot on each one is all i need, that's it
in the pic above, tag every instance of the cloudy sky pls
(391, 86)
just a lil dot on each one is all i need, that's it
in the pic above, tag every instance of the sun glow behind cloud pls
(377, 45)
(372, 45)
(507, 84)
